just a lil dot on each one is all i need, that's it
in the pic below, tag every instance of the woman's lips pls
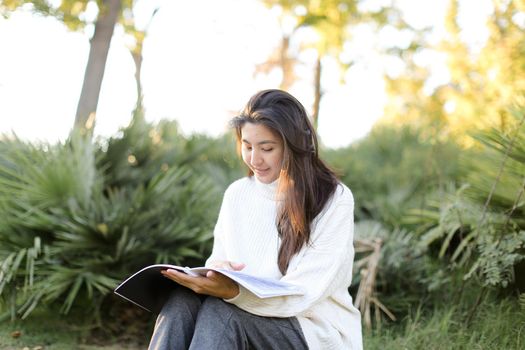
(261, 171)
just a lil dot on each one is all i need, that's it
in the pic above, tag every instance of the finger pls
(174, 273)
(237, 266)
(172, 276)
(179, 277)
(217, 280)
(215, 276)
(197, 284)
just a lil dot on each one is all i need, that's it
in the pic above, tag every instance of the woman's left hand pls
(214, 283)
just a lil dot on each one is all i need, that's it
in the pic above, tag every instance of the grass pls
(495, 325)
(48, 330)
(498, 325)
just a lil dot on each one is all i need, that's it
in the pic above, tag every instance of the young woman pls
(290, 219)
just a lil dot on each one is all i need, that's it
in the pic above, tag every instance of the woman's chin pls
(265, 179)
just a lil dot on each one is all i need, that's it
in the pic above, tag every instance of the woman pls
(290, 219)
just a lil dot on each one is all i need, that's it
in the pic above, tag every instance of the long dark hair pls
(305, 180)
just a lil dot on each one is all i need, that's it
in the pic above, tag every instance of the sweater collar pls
(267, 190)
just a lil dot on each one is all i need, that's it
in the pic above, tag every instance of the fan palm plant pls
(66, 237)
(143, 149)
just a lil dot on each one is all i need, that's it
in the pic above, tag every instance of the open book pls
(149, 289)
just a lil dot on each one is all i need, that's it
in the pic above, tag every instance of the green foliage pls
(393, 170)
(445, 218)
(46, 176)
(483, 81)
(70, 12)
(490, 248)
(482, 225)
(329, 19)
(143, 149)
(497, 258)
(501, 243)
(498, 175)
(70, 230)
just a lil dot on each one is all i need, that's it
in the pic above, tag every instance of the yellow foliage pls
(483, 85)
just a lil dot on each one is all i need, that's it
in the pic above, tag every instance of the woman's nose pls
(256, 158)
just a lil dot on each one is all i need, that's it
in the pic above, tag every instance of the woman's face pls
(262, 151)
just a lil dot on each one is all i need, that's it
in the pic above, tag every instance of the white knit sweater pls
(246, 233)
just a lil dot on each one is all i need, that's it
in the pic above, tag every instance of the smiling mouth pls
(260, 171)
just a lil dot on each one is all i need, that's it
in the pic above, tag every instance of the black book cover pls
(147, 288)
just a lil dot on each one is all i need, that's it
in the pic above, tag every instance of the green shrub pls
(393, 170)
(481, 227)
(66, 237)
(142, 150)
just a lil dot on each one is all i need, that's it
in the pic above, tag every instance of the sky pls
(198, 69)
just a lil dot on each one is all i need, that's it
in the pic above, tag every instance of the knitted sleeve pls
(218, 253)
(320, 268)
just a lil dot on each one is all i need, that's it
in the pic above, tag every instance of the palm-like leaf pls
(486, 219)
(66, 237)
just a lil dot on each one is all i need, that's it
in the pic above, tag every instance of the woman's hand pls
(214, 283)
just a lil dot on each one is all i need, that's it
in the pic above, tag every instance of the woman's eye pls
(268, 149)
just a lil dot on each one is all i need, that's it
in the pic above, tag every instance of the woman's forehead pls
(258, 133)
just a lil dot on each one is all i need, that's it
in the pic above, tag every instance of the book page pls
(260, 286)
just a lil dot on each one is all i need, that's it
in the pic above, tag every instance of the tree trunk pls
(137, 58)
(98, 53)
(287, 65)
(318, 94)
(136, 54)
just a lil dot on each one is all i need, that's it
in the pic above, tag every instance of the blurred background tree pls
(321, 26)
(74, 14)
(483, 81)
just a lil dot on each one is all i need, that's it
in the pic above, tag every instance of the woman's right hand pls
(214, 283)
(227, 265)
